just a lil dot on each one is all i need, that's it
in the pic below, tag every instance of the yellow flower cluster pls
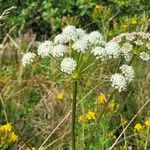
(112, 106)
(139, 127)
(6, 134)
(90, 115)
(60, 96)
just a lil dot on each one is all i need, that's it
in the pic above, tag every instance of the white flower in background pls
(129, 36)
(28, 58)
(68, 65)
(126, 47)
(144, 56)
(148, 45)
(118, 82)
(70, 33)
(144, 35)
(127, 72)
(99, 52)
(58, 50)
(80, 46)
(44, 49)
(95, 38)
(112, 49)
(138, 42)
(117, 39)
(60, 39)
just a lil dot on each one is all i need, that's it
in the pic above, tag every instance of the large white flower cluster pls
(76, 39)
(120, 80)
(68, 65)
(28, 58)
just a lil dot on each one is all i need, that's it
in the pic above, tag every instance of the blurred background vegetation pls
(45, 17)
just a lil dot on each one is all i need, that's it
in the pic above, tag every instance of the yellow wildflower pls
(133, 20)
(60, 96)
(138, 127)
(13, 137)
(81, 119)
(101, 99)
(90, 115)
(147, 123)
(6, 128)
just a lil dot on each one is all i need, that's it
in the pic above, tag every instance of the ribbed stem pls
(74, 114)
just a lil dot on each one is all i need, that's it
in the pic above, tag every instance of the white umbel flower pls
(70, 33)
(45, 48)
(68, 65)
(127, 72)
(60, 39)
(80, 46)
(118, 82)
(99, 52)
(95, 38)
(28, 58)
(58, 50)
(80, 33)
(113, 49)
(144, 56)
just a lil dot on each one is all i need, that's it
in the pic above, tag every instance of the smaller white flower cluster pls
(144, 56)
(45, 49)
(111, 50)
(68, 65)
(58, 50)
(126, 51)
(28, 58)
(69, 33)
(127, 72)
(120, 80)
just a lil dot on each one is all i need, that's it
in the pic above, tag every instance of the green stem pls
(74, 115)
